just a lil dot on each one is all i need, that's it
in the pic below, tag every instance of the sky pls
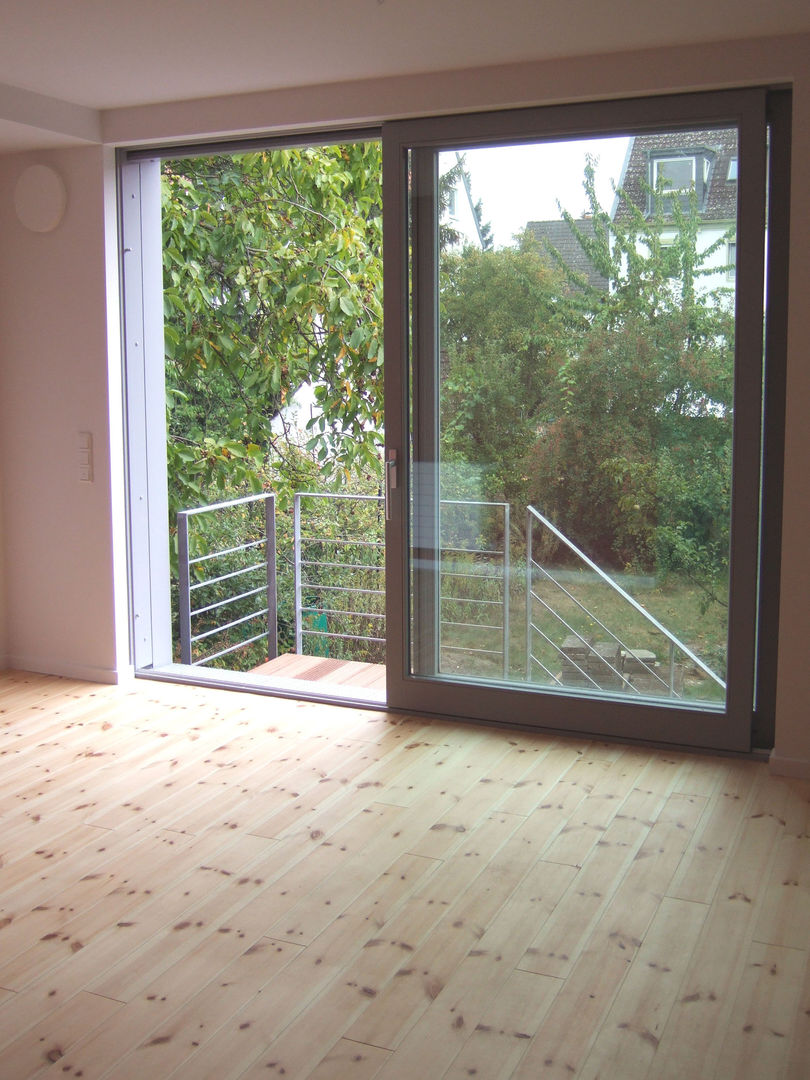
(517, 184)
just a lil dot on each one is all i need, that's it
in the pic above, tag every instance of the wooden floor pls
(201, 884)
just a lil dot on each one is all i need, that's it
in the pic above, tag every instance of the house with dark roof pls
(662, 173)
(560, 236)
(677, 162)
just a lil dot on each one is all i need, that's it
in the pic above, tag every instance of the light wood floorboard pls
(202, 884)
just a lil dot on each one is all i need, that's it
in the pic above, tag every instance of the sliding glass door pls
(574, 324)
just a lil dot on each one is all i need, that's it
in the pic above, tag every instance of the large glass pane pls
(572, 494)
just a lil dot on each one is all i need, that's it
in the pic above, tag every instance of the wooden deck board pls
(198, 883)
(325, 669)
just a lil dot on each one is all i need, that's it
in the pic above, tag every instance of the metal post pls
(529, 536)
(299, 637)
(272, 595)
(184, 583)
(506, 575)
(672, 669)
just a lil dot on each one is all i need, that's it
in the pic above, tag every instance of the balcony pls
(297, 600)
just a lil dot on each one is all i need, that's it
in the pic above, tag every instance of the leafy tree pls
(609, 410)
(635, 460)
(272, 281)
(505, 329)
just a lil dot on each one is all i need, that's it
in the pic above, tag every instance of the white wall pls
(720, 278)
(53, 336)
(59, 601)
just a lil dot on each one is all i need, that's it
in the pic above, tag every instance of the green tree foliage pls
(609, 410)
(637, 457)
(504, 336)
(272, 280)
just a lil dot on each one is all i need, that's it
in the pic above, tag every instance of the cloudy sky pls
(523, 183)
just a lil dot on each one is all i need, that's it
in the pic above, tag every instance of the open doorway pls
(270, 375)
(253, 300)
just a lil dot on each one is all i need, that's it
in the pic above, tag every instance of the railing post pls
(272, 594)
(183, 590)
(529, 536)
(299, 637)
(506, 574)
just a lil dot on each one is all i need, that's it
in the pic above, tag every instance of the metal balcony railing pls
(231, 587)
(474, 583)
(338, 558)
(595, 667)
(325, 552)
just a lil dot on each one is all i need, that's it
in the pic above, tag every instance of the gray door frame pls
(409, 146)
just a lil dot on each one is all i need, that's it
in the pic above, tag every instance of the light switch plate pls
(85, 452)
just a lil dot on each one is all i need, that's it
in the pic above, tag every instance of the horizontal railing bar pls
(633, 603)
(230, 649)
(342, 611)
(480, 652)
(471, 502)
(468, 551)
(471, 626)
(600, 624)
(341, 540)
(483, 568)
(334, 495)
(227, 551)
(225, 505)
(485, 575)
(227, 577)
(342, 565)
(228, 626)
(340, 588)
(230, 600)
(470, 600)
(348, 637)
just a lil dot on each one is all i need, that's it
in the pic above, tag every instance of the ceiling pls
(106, 54)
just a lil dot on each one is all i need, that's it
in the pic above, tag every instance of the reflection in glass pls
(580, 498)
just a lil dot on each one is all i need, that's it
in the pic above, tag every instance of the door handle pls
(391, 480)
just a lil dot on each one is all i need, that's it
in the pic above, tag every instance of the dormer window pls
(680, 173)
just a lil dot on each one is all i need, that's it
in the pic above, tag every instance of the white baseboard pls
(798, 768)
(68, 670)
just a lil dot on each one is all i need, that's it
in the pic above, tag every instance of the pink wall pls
(53, 383)
(3, 646)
